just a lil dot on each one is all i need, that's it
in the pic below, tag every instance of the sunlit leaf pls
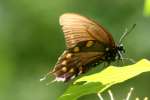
(101, 81)
(147, 8)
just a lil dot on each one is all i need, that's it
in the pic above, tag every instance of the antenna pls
(126, 33)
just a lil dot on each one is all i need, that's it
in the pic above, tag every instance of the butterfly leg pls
(129, 59)
(120, 57)
(106, 64)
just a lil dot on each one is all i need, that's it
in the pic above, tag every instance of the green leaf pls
(147, 8)
(101, 81)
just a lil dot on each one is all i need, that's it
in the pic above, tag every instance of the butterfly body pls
(88, 44)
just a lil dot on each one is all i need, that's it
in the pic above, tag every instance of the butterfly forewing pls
(78, 28)
(86, 43)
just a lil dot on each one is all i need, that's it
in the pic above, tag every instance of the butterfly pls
(88, 44)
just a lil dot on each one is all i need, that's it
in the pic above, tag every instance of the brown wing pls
(77, 28)
(70, 65)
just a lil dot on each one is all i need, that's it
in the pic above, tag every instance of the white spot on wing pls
(58, 79)
(73, 77)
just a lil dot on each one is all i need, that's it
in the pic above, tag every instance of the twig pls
(129, 94)
(111, 95)
(100, 97)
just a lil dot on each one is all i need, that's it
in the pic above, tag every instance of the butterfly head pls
(121, 48)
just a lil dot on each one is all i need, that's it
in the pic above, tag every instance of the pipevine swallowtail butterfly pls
(88, 44)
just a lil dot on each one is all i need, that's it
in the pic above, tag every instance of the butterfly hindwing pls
(71, 65)
(79, 59)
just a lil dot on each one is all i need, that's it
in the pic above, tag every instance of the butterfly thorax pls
(111, 54)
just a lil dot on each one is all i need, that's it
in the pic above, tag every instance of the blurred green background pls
(31, 41)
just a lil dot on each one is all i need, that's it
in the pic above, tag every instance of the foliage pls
(147, 8)
(101, 81)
